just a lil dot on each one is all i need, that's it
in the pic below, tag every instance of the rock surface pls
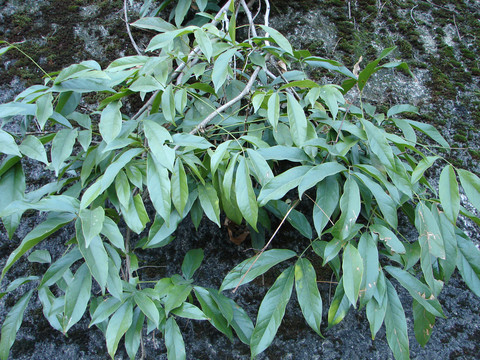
(437, 38)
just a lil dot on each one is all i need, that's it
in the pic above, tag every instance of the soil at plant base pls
(439, 41)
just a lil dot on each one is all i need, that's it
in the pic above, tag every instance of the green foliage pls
(222, 135)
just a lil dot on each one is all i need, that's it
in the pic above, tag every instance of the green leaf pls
(429, 130)
(271, 312)
(281, 184)
(122, 188)
(211, 310)
(168, 104)
(218, 155)
(210, 202)
(158, 185)
(33, 148)
(180, 11)
(40, 256)
(423, 323)
(396, 325)
(12, 188)
(77, 297)
(12, 323)
(423, 165)
(350, 206)
(44, 109)
(43, 230)
(332, 96)
(339, 306)
(376, 314)
(147, 306)
(273, 110)
(449, 193)
(221, 67)
(176, 296)
(62, 146)
(174, 341)
(307, 294)
(111, 121)
(241, 323)
(189, 140)
(204, 43)
(246, 200)
(278, 38)
(389, 237)
(189, 311)
(260, 167)
(295, 218)
(151, 23)
(112, 232)
(317, 174)
(191, 262)
(447, 229)
(418, 290)
(246, 272)
(298, 121)
(106, 308)
(95, 256)
(468, 263)
(118, 325)
(471, 184)
(430, 236)
(372, 68)
(379, 144)
(327, 200)
(398, 109)
(92, 223)
(59, 267)
(179, 186)
(367, 248)
(133, 336)
(352, 273)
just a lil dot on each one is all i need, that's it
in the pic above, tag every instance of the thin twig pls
(266, 18)
(182, 66)
(128, 28)
(236, 99)
(249, 17)
(267, 244)
(411, 15)
(456, 27)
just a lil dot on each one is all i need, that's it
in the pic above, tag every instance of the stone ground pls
(437, 39)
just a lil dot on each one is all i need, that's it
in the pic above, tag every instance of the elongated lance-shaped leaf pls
(191, 262)
(211, 310)
(168, 104)
(332, 96)
(423, 323)
(62, 146)
(471, 184)
(133, 336)
(221, 67)
(271, 312)
(396, 325)
(281, 184)
(210, 202)
(12, 188)
(273, 110)
(422, 166)
(92, 223)
(246, 200)
(298, 121)
(468, 263)
(95, 256)
(430, 235)
(367, 248)
(447, 229)
(317, 174)
(77, 297)
(308, 295)
(204, 43)
(8, 145)
(179, 186)
(246, 272)
(350, 205)
(111, 121)
(44, 109)
(158, 185)
(376, 314)
(12, 323)
(104, 310)
(118, 325)
(278, 38)
(326, 201)
(147, 306)
(379, 144)
(54, 222)
(419, 291)
(34, 149)
(449, 193)
(339, 306)
(174, 341)
(59, 267)
(241, 323)
(352, 273)
(389, 237)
